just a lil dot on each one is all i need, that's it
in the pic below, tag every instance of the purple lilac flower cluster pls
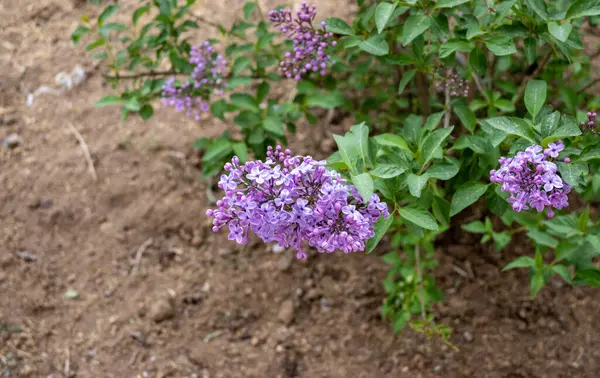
(533, 179)
(310, 44)
(192, 96)
(590, 124)
(292, 199)
(454, 84)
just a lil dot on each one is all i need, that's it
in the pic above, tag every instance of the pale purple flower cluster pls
(533, 180)
(452, 82)
(309, 53)
(209, 74)
(590, 124)
(294, 199)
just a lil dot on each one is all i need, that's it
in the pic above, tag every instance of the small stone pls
(228, 250)
(196, 241)
(280, 348)
(27, 256)
(285, 262)
(12, 141)
(468, 336)
(162, 310)
(255, 340)
(286, 312)
(277, 248)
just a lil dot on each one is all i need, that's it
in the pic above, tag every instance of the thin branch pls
(534, 75)
(84, 148)
(447, 107)
(462, 60)
(423, 89)
(138, 256)
(207, 22)
(589, 85)
(144, 74)
(420, 276)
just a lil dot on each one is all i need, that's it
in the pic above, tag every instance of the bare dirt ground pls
(197, 305)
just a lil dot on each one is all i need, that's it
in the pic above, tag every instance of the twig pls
(448, 108)
(535, 74)
(84, 148)
(477, 81)
(138, 256)
(143, 74)
(205, 21)
(419, 274)
(67, 365)
(589, 85)
(423, 93)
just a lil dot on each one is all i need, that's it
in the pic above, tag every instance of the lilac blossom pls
(590, 124)
(292, 200)
(455, 86)
(209, 74)
(533, 180)
(310, 44)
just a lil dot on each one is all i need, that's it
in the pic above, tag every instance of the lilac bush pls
(295, 199)
(533, 179)
(310, 44)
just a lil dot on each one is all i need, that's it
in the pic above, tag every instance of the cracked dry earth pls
(74, 301)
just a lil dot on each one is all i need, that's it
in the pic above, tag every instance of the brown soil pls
(196, 305)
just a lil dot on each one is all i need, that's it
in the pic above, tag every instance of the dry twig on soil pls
(84, 148)
(138, 256)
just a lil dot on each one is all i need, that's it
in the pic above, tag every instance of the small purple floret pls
(294, 199)
(533, 180)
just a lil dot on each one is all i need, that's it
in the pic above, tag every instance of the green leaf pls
(248, 9)
(501, 45)
(466, 116)
(139, 13)
(573, 173)
(414, 26)
(241, 151)
(568, 127)
(535, 96)
(450, 3)
(588, 276)
(244, 101)
(512, 126)
(536, 283)
(133, 104)
(383, 13)
(465, 196)
(416, 184)
(387, 171)
(419, 216)
(564, 272)
(478, 61)
(146, 111)
(542, 238)
(452, 46)
(80, 31)
(549, 124)
(113, 26)
(501, 240)
(539, 7)
(108, 11)
(433, 142)
(521, 262)
(442, 171)
(406, 78)
(433, 121)
(364, 185)
(590, 153)
(560, 32)
(108, 100)
(218, 150)
(338, 26)
(392, 140)
(240, 65)
(582, 8)
(238, 81)
(381, 227)
(530, 50)
(476, 227)
(376, 45)
(274, 125)
(96, 43)
(327, 100)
